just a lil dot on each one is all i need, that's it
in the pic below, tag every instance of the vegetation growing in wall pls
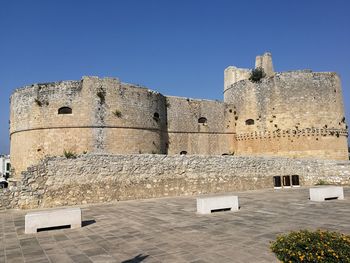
(102, 95)
(167, 104)
(257, 74)
(312, 246)
(69, 154)
(38, 102)
(41, 103)
(322, 182)
(117, 113)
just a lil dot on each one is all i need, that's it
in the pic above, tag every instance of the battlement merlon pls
(265, 62)
(233, 74)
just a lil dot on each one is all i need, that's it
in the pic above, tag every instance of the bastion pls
(101, 140)
(298, 114)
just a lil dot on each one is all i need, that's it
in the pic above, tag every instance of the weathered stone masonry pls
(90, 178)
(297, 114)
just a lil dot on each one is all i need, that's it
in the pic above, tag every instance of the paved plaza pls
(169, 230)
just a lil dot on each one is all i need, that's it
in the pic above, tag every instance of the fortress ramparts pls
(297, 114)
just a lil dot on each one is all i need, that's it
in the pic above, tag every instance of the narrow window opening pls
(183, 153)
(249, 122)
(277, 182)
(295, 180)
(286, 181)
(202, 120)
(65, 110)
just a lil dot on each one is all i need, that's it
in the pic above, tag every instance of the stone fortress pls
(125, 142)
(298, 114)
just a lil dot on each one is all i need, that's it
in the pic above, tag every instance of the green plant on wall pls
(38, 102)
(257, 74)
(322, 182)
(102, 95)
(117, 113)
(69, 154)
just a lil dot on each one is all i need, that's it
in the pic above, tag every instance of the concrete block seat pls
(52, 218)
(323, 193)
(209, 204)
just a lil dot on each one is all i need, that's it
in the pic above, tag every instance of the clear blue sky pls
(178, 47)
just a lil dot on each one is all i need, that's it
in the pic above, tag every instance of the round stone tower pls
(292, 114)
(88, 116)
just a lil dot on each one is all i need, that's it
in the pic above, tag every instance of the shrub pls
(257, 74)
(117, 113)
(102, 95)
(38, 102)
(322, 182)
(312, 246)
(69, 154)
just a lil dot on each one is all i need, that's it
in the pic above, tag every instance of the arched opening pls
(183, 153)
(202, 120)
(65, 110)
(249, 122)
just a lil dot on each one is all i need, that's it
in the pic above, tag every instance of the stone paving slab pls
(169, 230)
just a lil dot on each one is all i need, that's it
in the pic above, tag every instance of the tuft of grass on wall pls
(38, 102)
(322, 182)
(69, 154)
(117, 113)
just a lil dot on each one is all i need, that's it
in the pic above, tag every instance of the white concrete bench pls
(209, 204)
(52, 218)
(326, 192)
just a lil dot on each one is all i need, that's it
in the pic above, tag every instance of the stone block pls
(206, 205)
(52, 218)
(326, 192)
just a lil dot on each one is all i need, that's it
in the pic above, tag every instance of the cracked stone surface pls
(169, 230)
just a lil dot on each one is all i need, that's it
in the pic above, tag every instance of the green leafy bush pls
(117, 113)
(312, 246)
(257, 74)
(322, 182)
(102, 95)
(38, 102)
(69, 154)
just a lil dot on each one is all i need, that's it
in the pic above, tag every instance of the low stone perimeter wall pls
(58, 181)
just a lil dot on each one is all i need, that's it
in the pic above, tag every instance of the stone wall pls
(113, 118)
(186, 132)
(89, 178)
(294, 114)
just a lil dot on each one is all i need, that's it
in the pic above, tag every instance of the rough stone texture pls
(294, 114)
(58, 181)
